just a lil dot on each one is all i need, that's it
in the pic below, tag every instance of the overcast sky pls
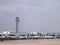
(35, 15)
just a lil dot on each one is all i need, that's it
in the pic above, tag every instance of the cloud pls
(36, 15)
(23, 7)
(35, 7)
(8, 8)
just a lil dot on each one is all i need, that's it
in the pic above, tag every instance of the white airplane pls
(33, 36)
(3, 36)
(23, 37)
(6, 35)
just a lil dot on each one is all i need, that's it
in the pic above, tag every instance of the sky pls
(34, 15)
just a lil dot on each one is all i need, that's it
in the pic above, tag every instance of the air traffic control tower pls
(17, 24)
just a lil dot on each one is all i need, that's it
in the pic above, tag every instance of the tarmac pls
(31, 42)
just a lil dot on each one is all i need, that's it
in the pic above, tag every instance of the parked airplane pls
(8, 36)
(3, 36)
